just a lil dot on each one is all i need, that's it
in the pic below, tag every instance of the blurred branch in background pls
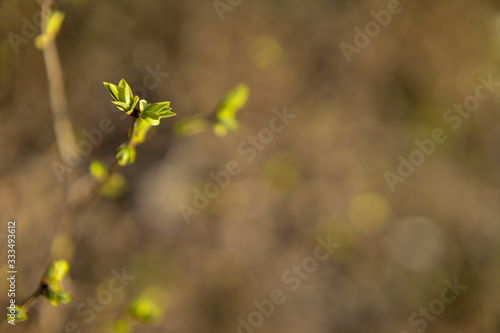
(51, 21)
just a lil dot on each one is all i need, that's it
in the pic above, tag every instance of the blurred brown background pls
(322, 176)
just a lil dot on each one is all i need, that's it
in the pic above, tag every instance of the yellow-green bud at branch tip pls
(55, 272)
(225, 116)
(51, 282)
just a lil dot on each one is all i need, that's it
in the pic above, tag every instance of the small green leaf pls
(55, 272)
(143, 105)
(122, 106)
(163, 111)
(98, 170)
(127, 94)
(153, 122)
(166, 113)
(151, 115)
(125, 155)
(156, 107)
(134, 103)
(112, 89)
(124, 85)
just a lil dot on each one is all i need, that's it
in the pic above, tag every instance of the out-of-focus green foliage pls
(226, 110)
(122, 326)
(145, 310)
(191, 126)
(114, 186)
(54, 22)
(111, 185)
(126, 155)
(98, 170)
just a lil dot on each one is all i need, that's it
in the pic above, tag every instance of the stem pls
(92, 192)
(128, 142)
(58, 104)
(131, 134)
(27, 304)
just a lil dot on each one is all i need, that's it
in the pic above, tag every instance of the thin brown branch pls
(62, 125)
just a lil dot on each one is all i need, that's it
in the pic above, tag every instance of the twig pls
(28, 303)
(58, 105)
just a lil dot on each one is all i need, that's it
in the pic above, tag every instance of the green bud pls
(152, 113)
(42, 40)
(226, 111)
(20, 314)
(113, 90)
(51, 281)
(125, 155)
(54, 23)
(55, 272)
(122, 95)
(98, 170)
(236, 98)
(144, 310)
(114, 187)
(122, 326)
(143, 104)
